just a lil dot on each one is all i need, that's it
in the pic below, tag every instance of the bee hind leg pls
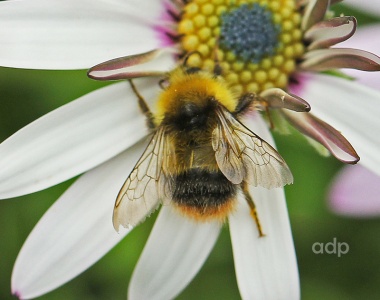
(143, 106)
(252, 206)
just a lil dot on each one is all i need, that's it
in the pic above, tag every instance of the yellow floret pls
(200, 30)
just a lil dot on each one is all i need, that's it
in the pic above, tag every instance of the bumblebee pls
(200, 155)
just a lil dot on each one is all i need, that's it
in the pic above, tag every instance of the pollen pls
(257, 42)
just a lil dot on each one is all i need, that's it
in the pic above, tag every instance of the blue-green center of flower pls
(249, 32)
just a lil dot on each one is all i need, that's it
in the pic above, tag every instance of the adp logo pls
(333, 247)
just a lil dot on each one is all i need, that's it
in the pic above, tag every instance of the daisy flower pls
(100, 133)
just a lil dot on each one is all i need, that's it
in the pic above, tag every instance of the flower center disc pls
(256, 42)
(249, 32)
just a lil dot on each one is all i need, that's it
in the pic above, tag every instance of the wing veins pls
(140, 193)
(242, 155)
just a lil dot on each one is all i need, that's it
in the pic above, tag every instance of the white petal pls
(75, 232)
(72, 139)
(266, 267)
(368, 6)
(350, 108)
(77, 34)
(175, 251)
(363, 39)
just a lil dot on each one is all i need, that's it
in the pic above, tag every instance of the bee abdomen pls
(204, 195)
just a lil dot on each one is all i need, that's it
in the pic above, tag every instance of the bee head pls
(190, 96)
(192, 115)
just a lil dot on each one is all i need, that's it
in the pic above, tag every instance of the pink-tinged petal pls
(75, 232)
(338, 58)
(266, 267)
(330, 32)
(369, 6)
(323, 133)
(314, 12)
(348, 106)
(72, 139)
(364, 39)
(152, 63)
(355, 192)
(176, 249)
(77, 34)
(278, 98)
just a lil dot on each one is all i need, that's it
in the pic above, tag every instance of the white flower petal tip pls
(70, 140)
(355, 193)
(323, 133)
(152, 63)
(266, 267)
(330, 32)
(75, 232)
(340, 58)
(175, 251)
(278, 98)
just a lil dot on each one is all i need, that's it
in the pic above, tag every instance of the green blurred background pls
(26, 95)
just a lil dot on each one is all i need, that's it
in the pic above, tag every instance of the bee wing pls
(242, 155)
(146, 185)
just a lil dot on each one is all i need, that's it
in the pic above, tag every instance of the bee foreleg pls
(250, 100)
(252, 206)
(244, 104)
(143, 106)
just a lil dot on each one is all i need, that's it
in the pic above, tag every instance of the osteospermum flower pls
(99, 134)
(98, 130)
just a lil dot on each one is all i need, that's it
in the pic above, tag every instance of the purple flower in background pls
(355, 192)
